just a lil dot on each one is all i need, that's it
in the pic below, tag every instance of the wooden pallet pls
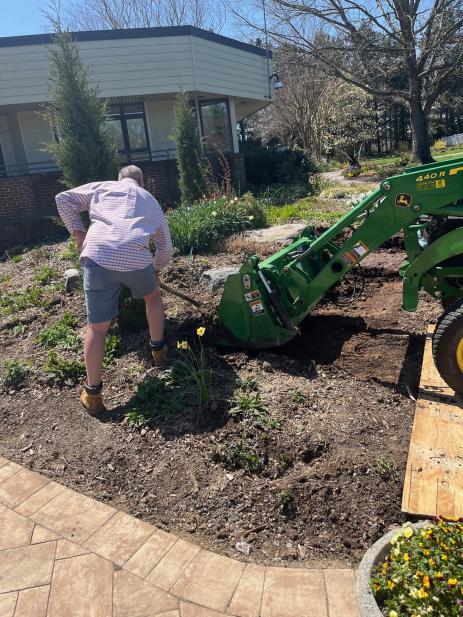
(433, 483)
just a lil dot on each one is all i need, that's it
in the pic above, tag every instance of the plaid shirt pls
(124, 217)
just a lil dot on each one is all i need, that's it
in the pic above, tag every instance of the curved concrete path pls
(63, 554)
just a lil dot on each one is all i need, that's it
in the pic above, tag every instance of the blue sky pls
(21, 17)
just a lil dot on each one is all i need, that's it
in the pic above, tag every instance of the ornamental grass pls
(422, 574)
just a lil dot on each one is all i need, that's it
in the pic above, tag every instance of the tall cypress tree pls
(85, 151)
(192, 175)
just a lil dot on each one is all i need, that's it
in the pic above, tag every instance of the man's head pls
(131, 171)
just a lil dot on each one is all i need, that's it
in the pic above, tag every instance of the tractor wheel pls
(447, 346)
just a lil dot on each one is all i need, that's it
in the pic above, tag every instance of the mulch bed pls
(331, 476)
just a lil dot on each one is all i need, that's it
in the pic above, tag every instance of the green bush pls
(45, 275)
(200, 226)
(63, 371)
(14, 373)
(61, 334)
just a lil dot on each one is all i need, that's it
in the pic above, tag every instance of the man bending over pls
(115, 253)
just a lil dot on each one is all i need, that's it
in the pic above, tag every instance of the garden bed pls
(324, 474)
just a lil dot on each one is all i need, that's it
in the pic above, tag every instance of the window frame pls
(202, 102)
(122, 117)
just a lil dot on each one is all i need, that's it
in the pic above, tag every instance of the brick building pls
(139, 72)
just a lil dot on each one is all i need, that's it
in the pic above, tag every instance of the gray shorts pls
(103, 287)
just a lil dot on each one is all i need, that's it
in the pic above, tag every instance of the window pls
(216, 125)
(128, 129)
(2, 163)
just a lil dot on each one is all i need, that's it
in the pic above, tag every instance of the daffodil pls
(200, 331)
(182, 344)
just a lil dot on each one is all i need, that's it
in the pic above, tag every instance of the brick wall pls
(27, 201)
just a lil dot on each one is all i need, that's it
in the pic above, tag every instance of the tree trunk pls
(421, 150)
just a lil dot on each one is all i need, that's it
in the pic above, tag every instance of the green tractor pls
(264, 304)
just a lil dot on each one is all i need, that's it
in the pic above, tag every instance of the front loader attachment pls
(264, 304)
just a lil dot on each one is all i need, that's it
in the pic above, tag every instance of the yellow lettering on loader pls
(455, 170)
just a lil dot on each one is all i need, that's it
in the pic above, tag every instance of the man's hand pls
(79, 237)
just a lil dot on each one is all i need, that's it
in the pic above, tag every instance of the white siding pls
(225, 70)
(160, 120)
(36, 135)
(138, 66)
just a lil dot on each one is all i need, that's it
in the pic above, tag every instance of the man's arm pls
(162, 240)
(71, 203)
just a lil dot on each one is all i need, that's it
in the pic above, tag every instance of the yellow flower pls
(422, 593)
(426, 582)
(452, 582)
(251, 218)
(439, 575)
(426, 552)
(408, 532)
(397, 552)
(393, 613)
(390, 585)
(200, 331)
(182, 344)
(431, 562)
(443, 557)
(406, 557)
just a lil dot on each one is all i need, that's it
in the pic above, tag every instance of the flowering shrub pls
(200, 226)
(422, 574)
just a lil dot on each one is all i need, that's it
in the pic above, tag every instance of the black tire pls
(445, 341)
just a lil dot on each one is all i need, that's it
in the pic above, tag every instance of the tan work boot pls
(93, 403)
(159, 356)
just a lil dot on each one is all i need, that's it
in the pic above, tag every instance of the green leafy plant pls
(19, 329)
(62, 370)
(247, 384)
(239, 454)
(202, 225)
(421, 573)
(45, 275)
(15, 373)
(61, 334)
(135, 419)
(196, 368)
(71, 252)
(112, 347)
(4, 279)
(16, 301)
(387, 468)
(297, 397)
(16, 259)
(249, 406)
(287, 502)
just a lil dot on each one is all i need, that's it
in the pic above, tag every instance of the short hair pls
(131, 171)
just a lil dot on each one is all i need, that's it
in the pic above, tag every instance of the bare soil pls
(342, 388)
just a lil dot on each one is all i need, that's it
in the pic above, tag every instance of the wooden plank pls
(433, 484)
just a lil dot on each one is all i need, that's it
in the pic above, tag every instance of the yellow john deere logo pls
(403, 200)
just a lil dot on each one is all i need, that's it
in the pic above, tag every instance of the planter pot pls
(374, 555)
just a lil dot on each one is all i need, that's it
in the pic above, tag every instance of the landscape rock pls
(281, 234)
(72, 277)
(216, 277)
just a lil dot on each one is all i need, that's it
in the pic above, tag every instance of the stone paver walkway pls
(63, 554)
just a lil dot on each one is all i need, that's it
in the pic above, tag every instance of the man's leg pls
(155, 314)
(94, 345)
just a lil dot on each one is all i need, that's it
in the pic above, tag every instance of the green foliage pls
(135, 419)
(112, 348)
(195, 368)
(45, 275)
(239, 454)
(421, 573)
(71, 252)
(17, 301)
(287, 502)
(248, 406)
(201, 226)
(62, 370)
(387, 468)
(192, 177)
(61, 334)
(267, 165)
(16, 259)
(297, 397)
(4, 278)
(15, 373)
(18, 329)
(311, 210)
(85, 151)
